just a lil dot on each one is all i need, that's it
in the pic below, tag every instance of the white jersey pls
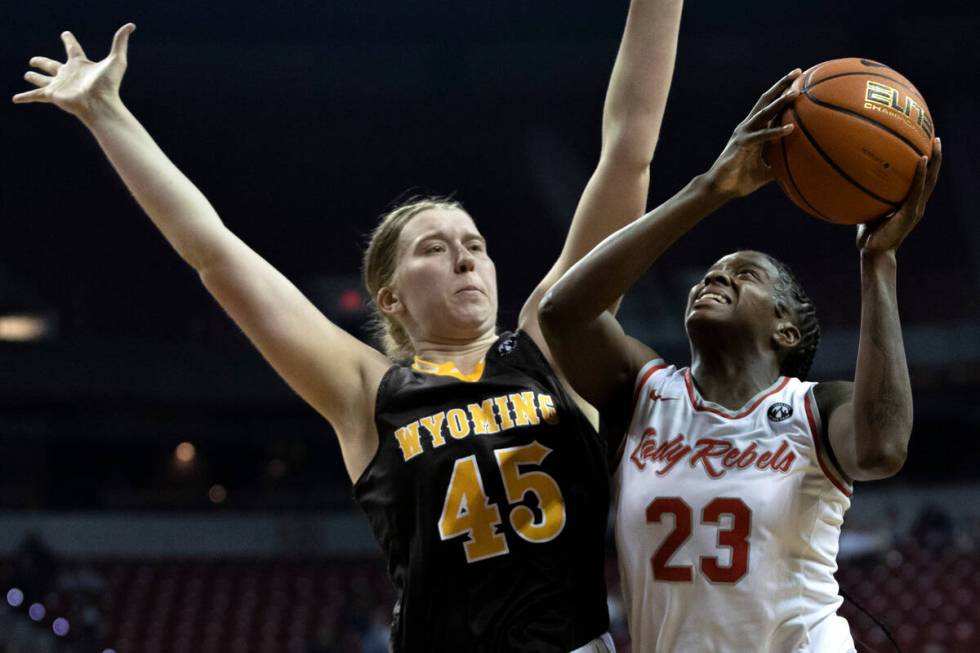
(727, 522)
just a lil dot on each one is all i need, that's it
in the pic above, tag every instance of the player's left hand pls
(885, 235)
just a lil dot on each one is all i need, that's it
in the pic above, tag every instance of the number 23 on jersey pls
(735, 538)
(467, 510)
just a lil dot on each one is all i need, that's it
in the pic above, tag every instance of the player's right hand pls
(79, 85)
(739, 169)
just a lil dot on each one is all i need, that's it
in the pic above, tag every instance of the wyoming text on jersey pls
(492, 415)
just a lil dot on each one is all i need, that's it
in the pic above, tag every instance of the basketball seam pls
(850, 112)
(789, 176)
(836, 167)
(905, 86)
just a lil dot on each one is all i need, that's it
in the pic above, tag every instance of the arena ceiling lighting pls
(23, 327)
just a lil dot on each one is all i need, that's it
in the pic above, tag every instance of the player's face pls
(445, 283)
(738, 290)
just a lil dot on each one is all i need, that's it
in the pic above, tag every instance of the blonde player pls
(483, 480)
(735, 473)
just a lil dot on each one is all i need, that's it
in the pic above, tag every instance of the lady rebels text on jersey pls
(727, 522)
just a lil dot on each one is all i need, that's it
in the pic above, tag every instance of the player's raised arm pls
(633, 111)
(595, 355)
(869, 421)
(332, 370)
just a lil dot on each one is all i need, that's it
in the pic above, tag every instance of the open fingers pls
(37, 95)
(771, 110)
(120, 42)
(50, 66)
(768, 134)
(37, 78)
(776, 89)
(72, 47)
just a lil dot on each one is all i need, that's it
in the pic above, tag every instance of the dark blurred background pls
(138, 429)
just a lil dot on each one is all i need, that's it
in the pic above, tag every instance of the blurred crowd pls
(922, 584)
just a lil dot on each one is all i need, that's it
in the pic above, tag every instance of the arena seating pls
(928, 597)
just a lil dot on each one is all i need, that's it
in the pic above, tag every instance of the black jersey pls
(489, 497)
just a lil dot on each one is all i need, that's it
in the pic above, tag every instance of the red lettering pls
(674, 454)
(710, 448)
(730, 458)
(786, 464)
(747, 458)
(643, 446)
(671, 451)
(715, 455)
(775, 457)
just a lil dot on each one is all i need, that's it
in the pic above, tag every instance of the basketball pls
(860, 129)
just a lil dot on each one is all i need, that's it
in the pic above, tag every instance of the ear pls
(388, 302)
(787, 335)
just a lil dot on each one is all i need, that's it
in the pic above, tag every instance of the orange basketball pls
(860, 128)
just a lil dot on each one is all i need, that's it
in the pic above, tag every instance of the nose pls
(718, 277)
(465, 262)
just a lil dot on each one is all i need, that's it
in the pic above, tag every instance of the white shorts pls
(601, 644)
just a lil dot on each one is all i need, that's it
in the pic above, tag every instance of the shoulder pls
(831, 395)
(520, 349)
(655, 378)
(656, 372)
(655, 367)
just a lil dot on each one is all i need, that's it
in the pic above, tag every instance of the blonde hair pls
(378, 270)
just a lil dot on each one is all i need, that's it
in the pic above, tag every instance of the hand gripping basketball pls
(885, 235)
(740, 169)
(860, 129)
(79, 84)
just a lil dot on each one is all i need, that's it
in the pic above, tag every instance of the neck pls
(465, 354)
(731, 378)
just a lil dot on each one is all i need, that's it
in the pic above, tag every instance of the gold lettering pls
(911, 104)
(408, 440)
(925, 122)
(505, 421)
(547, 407)
(879, 94)
(483, 417)
(433, 424)
(524, 409)
(458, 426)
(896, 105)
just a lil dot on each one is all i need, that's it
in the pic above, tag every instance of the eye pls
(749, 273)
(434, 248)
(476, 246)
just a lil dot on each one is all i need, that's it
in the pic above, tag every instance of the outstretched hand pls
(886, 234)
(79, 84)
(739, 169)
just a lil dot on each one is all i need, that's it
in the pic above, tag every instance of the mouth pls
(470, 289)
(709, 296)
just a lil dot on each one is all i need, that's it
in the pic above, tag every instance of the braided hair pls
(790, 295)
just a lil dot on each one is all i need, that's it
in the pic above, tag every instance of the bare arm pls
(597, 357)
(869, 421)
(632, 114)
(330, 369)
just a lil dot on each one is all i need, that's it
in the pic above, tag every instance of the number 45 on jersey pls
(467, 510)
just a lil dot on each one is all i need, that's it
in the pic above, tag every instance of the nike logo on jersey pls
(716, 457)
(656, 397)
